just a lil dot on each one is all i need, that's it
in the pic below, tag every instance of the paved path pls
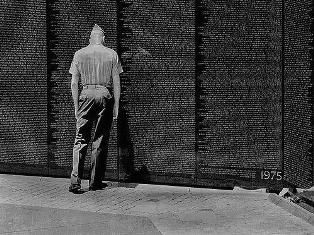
(43, 205)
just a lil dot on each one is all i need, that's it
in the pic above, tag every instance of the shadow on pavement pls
(19, 219)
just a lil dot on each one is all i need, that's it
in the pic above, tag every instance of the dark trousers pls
(94, 104)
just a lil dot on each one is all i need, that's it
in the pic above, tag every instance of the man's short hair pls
(97, 31)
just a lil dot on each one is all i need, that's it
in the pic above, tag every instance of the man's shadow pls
(127, 171)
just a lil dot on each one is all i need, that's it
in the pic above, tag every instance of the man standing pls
(97, 67)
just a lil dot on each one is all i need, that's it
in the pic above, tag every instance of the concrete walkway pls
(43, 205)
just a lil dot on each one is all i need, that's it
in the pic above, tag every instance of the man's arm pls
(74, 89)
(116, 94)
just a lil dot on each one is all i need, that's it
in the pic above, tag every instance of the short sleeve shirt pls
(96, 65)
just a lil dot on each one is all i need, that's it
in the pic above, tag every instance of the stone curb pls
(292, 208)
(184, 189)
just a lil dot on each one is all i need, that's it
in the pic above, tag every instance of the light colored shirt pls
(96, 65)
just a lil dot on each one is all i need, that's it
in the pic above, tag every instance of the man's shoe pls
(75, 188)
(98, 186)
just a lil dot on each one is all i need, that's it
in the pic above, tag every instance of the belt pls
(94, 86)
